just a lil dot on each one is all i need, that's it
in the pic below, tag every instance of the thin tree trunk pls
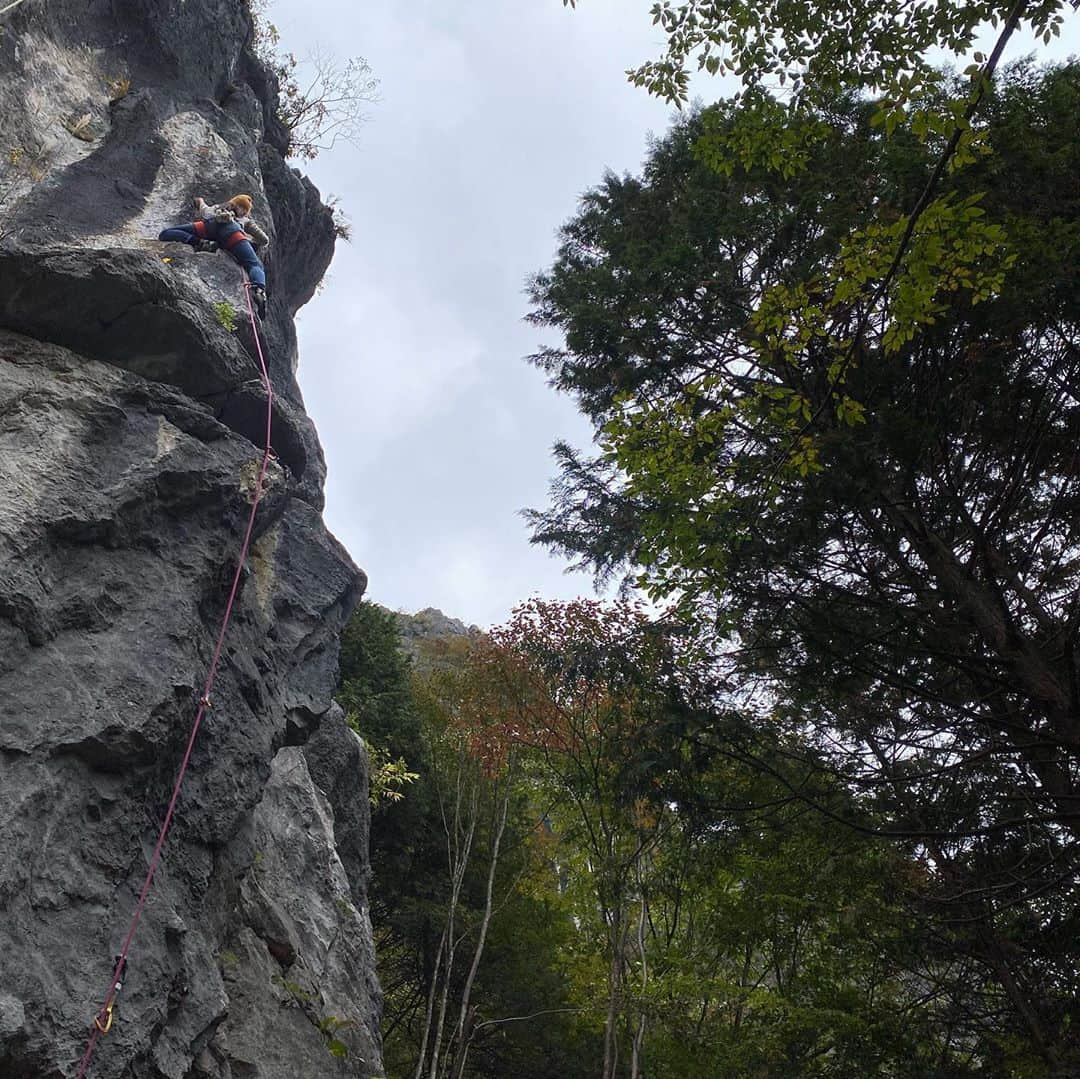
(463, 1036)
(617, 937)
(639, 1035)
(418, 1074)
(463, 855)
(458, 849)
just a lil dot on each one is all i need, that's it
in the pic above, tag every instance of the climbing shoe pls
(258, 294)
(205, 247)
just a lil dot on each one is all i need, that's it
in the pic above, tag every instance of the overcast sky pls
(494, 116)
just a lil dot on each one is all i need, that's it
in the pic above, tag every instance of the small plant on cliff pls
(294, 989)
(225, 313)
(329, 1026)
(119, 88)
(328, 106)
(20, 168)
(342, 225)
(387, 777)
(321, 101)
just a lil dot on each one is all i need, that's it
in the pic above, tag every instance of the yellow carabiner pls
(104, 1028)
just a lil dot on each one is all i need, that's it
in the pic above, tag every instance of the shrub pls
(327, 106)
(226, 315)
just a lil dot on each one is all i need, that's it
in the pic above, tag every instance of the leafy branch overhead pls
(796, 64)
(813, 51)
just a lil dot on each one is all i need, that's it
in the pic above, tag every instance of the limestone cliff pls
(428, 627)
(129, 417)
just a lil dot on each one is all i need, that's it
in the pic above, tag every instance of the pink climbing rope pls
(103, 1019)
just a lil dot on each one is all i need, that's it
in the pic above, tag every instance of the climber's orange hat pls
(241, 204)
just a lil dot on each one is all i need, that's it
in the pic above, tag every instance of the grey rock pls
(422, 632)
(337, 761)
(12, 1016)
(131, 427)
(298, 946)
(431, 622)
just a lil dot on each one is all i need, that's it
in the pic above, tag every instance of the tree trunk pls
(418, 1074)
(617, 939)
(451, 944)
(458, 851)
(463, 1035)
(639, 1034)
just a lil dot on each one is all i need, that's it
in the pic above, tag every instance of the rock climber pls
(229, 226)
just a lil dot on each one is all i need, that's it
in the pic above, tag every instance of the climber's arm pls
(257, 235)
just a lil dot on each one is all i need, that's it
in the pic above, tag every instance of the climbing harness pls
(103, 1020)
(229, 242)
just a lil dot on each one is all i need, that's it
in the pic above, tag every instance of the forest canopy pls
(867, 495)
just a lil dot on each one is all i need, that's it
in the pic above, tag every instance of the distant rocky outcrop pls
(130, 426)
(427, 627)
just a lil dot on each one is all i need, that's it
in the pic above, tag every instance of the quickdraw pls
(105, 1025)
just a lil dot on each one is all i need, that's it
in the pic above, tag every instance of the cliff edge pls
(130, 436)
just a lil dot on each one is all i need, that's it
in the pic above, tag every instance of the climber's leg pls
(244, 253)
(196, 234)
(242, 250)
(185, 234)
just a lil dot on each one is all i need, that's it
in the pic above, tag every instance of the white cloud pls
(494, 117)
(377, 368)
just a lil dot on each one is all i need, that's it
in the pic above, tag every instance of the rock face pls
(130, 427)
(426, 627)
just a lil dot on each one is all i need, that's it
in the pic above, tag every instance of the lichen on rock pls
(130, 425)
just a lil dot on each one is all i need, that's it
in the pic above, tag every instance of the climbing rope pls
(104, 1019)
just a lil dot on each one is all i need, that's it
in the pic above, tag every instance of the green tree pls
(721, 929)
(883, 536)
(710, 939)
(631, 896)
(506, 999)
(585, 687)
(794, 61)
